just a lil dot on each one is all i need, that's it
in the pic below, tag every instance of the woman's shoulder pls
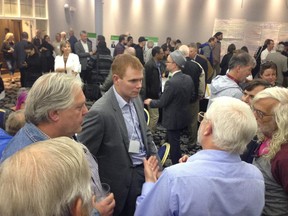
(73, 55)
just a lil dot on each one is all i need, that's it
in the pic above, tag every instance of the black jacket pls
(153, 84)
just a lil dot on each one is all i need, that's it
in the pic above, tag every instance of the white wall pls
(188, 20)
(60, 19)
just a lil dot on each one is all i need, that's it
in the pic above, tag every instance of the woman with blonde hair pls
(8, 50)
(68, 62)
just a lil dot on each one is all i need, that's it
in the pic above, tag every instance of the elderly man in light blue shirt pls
(213, 181)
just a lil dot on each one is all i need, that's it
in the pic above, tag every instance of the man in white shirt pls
(83, 48)
(56, 44)
(269, 49)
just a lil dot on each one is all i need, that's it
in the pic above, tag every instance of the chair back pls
(147, 116)
(2, 118)
(163, 152)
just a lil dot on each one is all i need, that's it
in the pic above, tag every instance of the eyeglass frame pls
(260, 114)
(200, 116)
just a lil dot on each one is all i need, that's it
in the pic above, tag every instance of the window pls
(26, 8)
(11, 8)
(40, 8)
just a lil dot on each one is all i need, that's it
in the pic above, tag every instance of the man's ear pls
(207, 129)
(54, 115)
(237, 68)
(115, 79)
(77, 208)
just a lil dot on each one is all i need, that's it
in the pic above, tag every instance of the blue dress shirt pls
(211, 182)
(133, 127)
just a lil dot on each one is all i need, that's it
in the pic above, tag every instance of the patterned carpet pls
(11, 90)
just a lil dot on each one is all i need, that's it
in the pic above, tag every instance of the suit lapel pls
(141, 118)
(119, 117)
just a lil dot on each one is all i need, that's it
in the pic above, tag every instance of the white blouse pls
(72, 64)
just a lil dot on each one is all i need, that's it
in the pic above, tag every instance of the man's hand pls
(183, 159)
(151, 169)
(147, 101)
(105, 206)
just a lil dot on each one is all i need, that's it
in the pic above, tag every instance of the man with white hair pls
(270, 108)
(63, 36)
(213, 181)
(55, 106)
(281, 61)
(51, 177)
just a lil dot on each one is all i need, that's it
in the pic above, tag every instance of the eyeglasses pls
(201, 116)
(259, 113)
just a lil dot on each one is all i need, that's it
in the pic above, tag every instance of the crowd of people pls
(55, 153)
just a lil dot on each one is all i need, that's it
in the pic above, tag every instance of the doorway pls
(14, 26)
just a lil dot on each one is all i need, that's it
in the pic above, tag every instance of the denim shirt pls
(4, 140)
(27, 135)
(30, 134)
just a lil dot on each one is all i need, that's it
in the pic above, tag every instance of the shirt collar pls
(215, 155)
(229, 76)
(175, 72)
(119, 99)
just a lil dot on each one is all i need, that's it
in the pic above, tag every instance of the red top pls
(279, 167)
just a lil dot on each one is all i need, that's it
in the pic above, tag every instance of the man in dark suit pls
(175, 102)
(193, 54)
(20, 56)
(83, 48)
(72, 40)
(154, 69)
(139, 48)
(116, 133)
(196, 72)
(121, 45)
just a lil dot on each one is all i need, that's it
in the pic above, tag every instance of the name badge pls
(134, 146)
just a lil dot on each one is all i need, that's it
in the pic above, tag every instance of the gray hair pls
(279, 48)
(193, 45)
(280, 136)
(52, 91)
(233, 124)
(184, 49)
(14, 122)
(45, 178)
(83, 32)
(241, 58)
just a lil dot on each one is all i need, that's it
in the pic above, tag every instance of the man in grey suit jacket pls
(116, 133)
(175, 102)
(83, 48)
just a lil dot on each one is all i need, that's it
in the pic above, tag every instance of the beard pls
(268, 129)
